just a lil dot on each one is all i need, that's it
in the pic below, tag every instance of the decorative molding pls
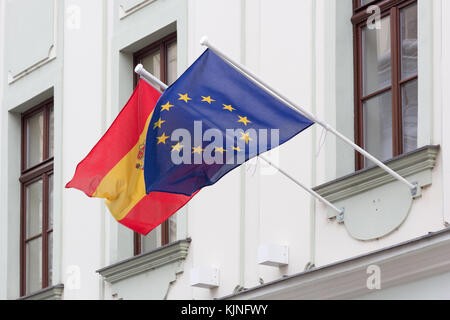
(125, 12)
(50, 293)
(51, 52)
(406, 165)
(51, 57)
(147, 261)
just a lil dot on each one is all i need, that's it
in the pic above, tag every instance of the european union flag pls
(210, 121)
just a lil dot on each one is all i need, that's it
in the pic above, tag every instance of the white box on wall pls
(273, 255)
(205, 277)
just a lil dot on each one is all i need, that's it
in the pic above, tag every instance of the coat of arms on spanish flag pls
(113, 170)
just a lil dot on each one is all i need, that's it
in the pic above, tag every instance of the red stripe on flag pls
(120, 138)
(154, 209)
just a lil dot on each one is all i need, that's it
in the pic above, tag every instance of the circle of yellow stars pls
(198, 150)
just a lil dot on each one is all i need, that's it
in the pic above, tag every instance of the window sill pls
(159, 257)
(375, 203)
(407, 164)
(50, 293)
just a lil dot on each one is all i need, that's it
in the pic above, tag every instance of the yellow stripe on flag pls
(124, 186)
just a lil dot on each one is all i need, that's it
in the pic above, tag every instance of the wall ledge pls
(159, 257)
(50, 293)
(125, 11)
(412, 260)
(413, 162)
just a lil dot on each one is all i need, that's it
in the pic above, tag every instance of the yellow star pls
(177, 147)
(221, 150)
(198, 150)
(237, 149)
(163, 138)
(246, 137)
(184, 97)
(167, 106)
(207, 99)
(244, 120)
(158, 123)
(230, 108)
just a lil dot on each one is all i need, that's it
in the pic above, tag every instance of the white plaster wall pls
(445, 101)
(340, 87)
(277, 211)
(83, 118)
(431, 288)
(39, 83)
(3, 215)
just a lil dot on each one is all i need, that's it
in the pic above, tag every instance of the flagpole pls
(205, 42)
(149, 77)
(140, 70)
(309, 190)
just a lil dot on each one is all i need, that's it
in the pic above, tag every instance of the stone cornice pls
(408, 164)
(50, 293)
(159, 257)
(402, 263)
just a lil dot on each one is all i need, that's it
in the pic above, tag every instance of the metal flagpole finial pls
(138, 68)
(204, 41)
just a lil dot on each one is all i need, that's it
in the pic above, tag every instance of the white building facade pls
(382, 80)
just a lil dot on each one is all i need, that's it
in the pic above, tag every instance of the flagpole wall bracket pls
(416, 192)
(340, 216)
(376, 212)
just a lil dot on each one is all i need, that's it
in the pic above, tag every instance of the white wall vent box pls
(273, 255)
(205, 277)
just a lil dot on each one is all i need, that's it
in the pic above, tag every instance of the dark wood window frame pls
(39, 172)
(359, 20)
(161, 46)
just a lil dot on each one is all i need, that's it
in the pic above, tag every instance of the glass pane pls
(35, 136)
(408, 27)
(172, 63)
(377, 114)
(376, 57)
(34, 209)
(152, 64)
(50, 258)
(364, 2)
(409, 115)
(50, 201)
(34, 265)
(173, 228)
(152, 240)
(51, 134)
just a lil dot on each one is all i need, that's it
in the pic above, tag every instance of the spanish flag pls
(113, 170)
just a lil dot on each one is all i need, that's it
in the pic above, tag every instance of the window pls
(36, 226)
(160, 59)
(386, 78)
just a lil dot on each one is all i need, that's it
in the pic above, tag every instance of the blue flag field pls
(210, 121)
